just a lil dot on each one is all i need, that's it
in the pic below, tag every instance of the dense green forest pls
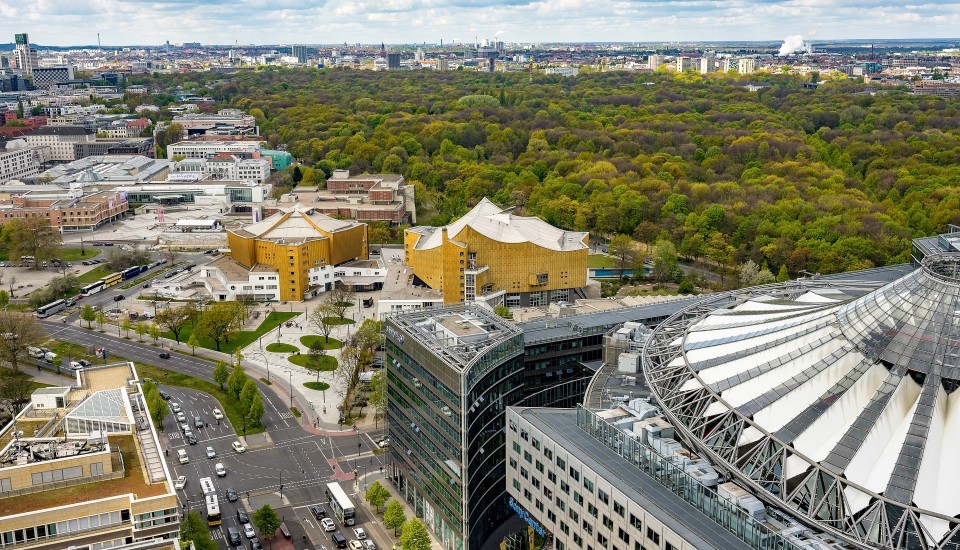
(825, 180)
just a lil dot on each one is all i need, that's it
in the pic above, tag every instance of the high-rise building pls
(654, 62)
(494, 255)
(25, 55)
(443, 63)
(746, 65)
(300, 52)
(393, 61)
(708, 64)
(683, 63)
(48, 76)
(419, 56)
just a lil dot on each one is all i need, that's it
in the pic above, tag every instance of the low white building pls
(226, 279)
(209, 149)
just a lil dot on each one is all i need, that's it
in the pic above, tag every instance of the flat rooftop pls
(682, 518)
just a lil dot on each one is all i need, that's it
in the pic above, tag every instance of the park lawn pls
(228, 403)
(602, 261)
(331, 343)
(65, 254)
(319, 386)
(240, 339)
(327, 363)
(94, 275)
(279, 347)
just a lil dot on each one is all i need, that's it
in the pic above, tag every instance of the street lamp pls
(267, 361)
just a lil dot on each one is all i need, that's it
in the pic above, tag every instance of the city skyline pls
(142, 23)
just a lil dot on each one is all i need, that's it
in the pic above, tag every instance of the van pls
(49, 356)
(36, 353)
(182, 456)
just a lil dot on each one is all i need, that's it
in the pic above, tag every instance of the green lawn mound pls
(278, 347)
(338, 321)
(319, 386)
(327, 363)
(331, 343)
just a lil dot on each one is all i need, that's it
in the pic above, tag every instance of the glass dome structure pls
(836, 401)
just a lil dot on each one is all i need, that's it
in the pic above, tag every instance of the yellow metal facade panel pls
(241, 249)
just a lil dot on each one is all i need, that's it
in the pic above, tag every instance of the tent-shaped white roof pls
(503, 226)
(106, 406)
(297, 223)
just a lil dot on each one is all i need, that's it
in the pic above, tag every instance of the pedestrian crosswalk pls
(217, 534)
(286, 415)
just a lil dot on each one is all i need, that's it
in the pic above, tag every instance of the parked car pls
(328, 525)
(356, 545)
(175, 407)
(232, 495)
(368, 544)
(165, 395)
(211, 453)
(180, 483)
(181, 417)
(318, 512)
(218, 414)
(249, 531)
(233, 536)
(220, 469)
(238, 447)
(255, 544)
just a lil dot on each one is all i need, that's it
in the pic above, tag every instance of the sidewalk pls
(364, 483)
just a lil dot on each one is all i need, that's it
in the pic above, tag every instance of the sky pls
(153, 22)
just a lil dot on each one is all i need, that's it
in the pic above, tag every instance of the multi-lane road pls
(298, 458)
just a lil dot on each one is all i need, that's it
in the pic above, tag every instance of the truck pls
(36, 353)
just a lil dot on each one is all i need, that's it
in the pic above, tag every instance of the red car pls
(78, 297)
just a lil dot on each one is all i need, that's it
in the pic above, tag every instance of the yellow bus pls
(112, 279)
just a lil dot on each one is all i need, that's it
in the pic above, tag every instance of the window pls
(516, 447)
(591, 509)
(539, 505)
(669, 546)
(536, 443)
(562, 464)
(653, 535)
(636, 523)
(578, 540)
(564, 528)
(624, 536)
(527, 495)
(587, 526)
(516, 484)
(562, 504)
(523, 473)
(548, 453)
(588, 485)
(513, 463)
(539, 466)
(552, 476)
(564, 487)
(574, 515)
(547, 492)
(607, 522)
(551, 516)
(604, 497)
(578, 498)
(536, 483)
(575, 474)
(602, 539)
(527, 456)
(618, 508)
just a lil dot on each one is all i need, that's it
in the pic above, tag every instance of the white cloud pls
(120, 22)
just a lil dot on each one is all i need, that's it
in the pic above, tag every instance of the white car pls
(218, 414)
(356, 545)
(238, 447)
(180, 483)
(211, 453)
(328, 525)
(360, 533)
(181, 417)
(248, 531)
(384, 443)
(174, 406)
(75, 365)
(369, 544)
(220, 469)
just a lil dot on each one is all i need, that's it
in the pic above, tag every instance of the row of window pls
(62, 528)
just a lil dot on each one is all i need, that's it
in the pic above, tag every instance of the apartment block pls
(61, 140)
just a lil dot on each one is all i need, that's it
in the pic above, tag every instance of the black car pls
(233, 536)
(339, 540)
(84, 362)
(242, 516)
(318, 512)
(119, 297)
(146, 285)
(191, 439)
(165, 395)
(164, 355)
(231, 494)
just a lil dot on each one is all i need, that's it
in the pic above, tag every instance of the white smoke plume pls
(498, 34)
(794, 44)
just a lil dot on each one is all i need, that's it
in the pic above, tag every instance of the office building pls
(499, 257)
(108, 170)
(683, 64)
(443, 64)
(300, 52)
(451, 373)
(225, 122)
(654, 62)
(19, 160)
(25, 55)
(278, 159)
(746, 65)
(83, 468)
(366, 197)
(66, 209)
(203, 149)
(301, 246)
(226, 167)
(393, 61)
(115, 146)
(60, 140)
(708, 65)
(48, 76)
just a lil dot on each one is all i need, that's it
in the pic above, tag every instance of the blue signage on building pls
(395, 336)
(525, 516)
